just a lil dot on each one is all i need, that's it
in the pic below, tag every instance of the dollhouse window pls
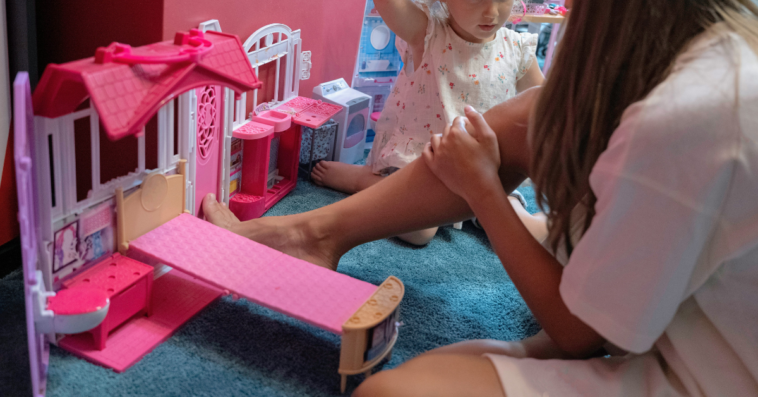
(174, 107)
(50, 151)
(119, 158)
(151, 143)
(84, 162)
(169, 135)
(83, 159)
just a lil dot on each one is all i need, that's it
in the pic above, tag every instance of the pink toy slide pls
(262, 275)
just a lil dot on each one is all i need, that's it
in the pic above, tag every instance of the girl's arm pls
(467, 162)
(405, 19)
(534, 271)
(532, 78)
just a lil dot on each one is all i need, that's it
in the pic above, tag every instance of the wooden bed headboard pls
(159, 199)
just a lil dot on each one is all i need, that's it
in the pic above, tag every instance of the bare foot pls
(218, 213)
(346, 178)
(294, 235)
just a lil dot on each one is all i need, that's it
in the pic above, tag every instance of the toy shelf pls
(284, 124)
(255, 196)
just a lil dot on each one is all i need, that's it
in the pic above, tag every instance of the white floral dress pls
(452, 74)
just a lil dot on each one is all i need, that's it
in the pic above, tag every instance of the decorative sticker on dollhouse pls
(65, 251)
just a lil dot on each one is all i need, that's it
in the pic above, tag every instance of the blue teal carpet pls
(455, 290)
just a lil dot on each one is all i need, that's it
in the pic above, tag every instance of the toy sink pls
(280, 121)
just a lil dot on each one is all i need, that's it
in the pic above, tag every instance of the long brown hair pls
(612, 54)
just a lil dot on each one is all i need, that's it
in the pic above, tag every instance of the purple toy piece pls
(23, 137)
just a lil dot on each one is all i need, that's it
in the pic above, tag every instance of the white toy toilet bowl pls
(76, 310)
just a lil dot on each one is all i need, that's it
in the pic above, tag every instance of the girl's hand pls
(466, 157)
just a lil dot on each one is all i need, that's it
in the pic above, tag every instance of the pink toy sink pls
(253, 130)
(280, 121)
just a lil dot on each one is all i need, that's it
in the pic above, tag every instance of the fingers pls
(435, 141)
(477, 121)
(428, 155)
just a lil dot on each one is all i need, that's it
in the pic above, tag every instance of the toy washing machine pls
(353, 119)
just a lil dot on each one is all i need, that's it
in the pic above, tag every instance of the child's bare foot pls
(294, 235)
(346, 178)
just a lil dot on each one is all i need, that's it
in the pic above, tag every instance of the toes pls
(211, 208)
(321, 166)
(217, 213)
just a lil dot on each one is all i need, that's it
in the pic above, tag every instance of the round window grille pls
(206, 122)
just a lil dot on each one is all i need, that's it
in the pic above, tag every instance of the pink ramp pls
(267, 277)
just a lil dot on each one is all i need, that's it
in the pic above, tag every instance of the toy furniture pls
(317, 144)
(353, 120)
(318, 296)
(377, 55)
(378, 63)
(271, 138)
(127, 284)
(378, 89)
(276, 146)
(73, 222)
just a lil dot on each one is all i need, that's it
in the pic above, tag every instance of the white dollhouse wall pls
(59, 205)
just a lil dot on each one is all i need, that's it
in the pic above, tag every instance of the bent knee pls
(384, 383)
(419, 237)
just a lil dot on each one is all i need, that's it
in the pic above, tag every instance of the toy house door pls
(208, 144)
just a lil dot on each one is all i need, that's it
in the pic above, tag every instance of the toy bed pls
(153, 228)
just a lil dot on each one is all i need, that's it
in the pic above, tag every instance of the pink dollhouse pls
(115, 262)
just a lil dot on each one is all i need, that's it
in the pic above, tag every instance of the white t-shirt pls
(668, 270)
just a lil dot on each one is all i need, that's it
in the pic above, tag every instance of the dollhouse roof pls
(128, 85)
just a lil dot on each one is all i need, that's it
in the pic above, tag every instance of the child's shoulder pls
(513, 38)
(510, 34)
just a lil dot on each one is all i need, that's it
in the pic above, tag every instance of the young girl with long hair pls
(644, 145)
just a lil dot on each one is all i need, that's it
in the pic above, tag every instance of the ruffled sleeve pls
(402, 45)
(527, 44)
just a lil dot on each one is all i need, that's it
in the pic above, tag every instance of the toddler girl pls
(455, 54)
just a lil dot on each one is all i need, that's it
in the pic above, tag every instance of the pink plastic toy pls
(126, 283)
(518, 19)
(125, 96)
(194, 48)
(269, 161)
(256, 196)
(109, 308)
(313, 294)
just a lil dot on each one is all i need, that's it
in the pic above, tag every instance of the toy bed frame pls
(154, 227)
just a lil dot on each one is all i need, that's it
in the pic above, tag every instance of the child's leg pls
(458, 369)
(539, 346)
(436, 375)
(411, 199)
(419, 237)
(536, 224)
(346, 178)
